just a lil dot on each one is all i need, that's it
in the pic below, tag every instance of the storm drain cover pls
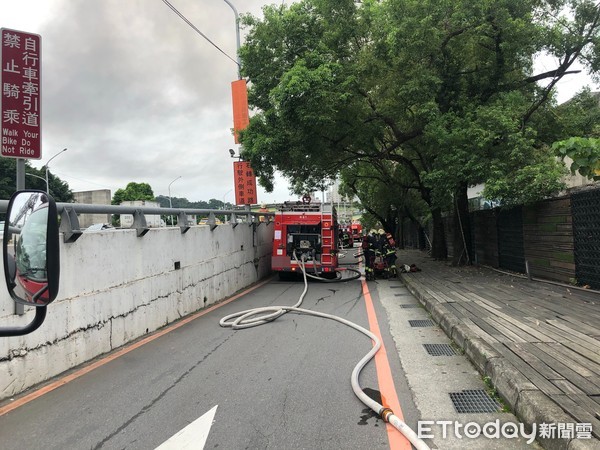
(412, 305)
(396, 286)
(474, 401)
(421, 323)
(439, 349)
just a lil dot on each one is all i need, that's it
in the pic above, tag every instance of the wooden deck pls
(548, 333)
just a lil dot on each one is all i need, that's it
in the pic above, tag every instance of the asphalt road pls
(283, 385)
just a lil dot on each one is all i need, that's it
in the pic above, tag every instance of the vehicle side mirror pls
(31, 258)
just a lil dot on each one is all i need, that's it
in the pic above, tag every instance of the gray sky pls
(136, 95)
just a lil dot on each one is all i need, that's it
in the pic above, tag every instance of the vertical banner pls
(21, 94)
(245, 183)
(241, 119)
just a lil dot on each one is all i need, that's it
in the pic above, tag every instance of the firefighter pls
(369, 245)
(387, 247)
(346, 238)
(392, 255)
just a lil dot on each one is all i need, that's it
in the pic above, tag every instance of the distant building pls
(99, 197)
(152, 220)
(344, 205)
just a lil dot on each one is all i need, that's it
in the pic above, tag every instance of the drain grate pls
(421, 323)
(473, 401)
(412, 305)
(396, 286)
(439, 349)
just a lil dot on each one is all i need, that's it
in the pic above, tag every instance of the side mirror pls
(31, 259)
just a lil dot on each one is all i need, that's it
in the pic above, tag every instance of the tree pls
(445, 91)
(34, 179)
(584, 153)
(133, 192)
(385, 194)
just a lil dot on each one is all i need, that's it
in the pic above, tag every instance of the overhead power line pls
(197, 30)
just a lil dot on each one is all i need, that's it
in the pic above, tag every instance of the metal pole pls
(170, 204)
(19, 308)
(47, 185)
(237, 35)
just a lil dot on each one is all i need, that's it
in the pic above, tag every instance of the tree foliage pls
(177, 202)
(443, 91)
(133, 192)
(34, 179)
(584, 153)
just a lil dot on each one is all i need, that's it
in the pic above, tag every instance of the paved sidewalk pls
(539, 343)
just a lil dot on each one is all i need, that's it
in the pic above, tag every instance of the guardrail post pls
(212, 221)
(139, 223)
(182, 220)
(69, 225)
(233, 220)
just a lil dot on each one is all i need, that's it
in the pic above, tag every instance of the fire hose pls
(259, 316)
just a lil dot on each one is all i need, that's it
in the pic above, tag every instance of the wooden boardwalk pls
(548, 335)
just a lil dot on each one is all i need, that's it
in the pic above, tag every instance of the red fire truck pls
(356, 228)
(306, 230)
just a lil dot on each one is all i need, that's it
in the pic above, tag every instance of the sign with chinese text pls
(241, 118)
(245, 183)
(21, 94)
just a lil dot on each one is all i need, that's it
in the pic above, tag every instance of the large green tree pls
(445, 90)
(133, 192)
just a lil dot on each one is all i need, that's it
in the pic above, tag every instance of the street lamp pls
(170, 204)
(47, 185)
(233, 155)
(237, 36)
(36, 176)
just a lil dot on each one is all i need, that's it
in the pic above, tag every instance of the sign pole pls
(19, 307)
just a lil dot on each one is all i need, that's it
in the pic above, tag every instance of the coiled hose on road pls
(259, 316)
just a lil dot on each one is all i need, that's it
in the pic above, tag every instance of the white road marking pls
(192, 436)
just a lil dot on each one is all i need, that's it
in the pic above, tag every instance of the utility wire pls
(197, 30)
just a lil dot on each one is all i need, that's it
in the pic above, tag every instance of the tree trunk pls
(438, 244)
(462, 228)
(400, 234)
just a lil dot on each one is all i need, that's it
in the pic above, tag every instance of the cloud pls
(135, 94)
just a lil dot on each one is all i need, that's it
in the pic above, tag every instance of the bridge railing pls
(69, 212)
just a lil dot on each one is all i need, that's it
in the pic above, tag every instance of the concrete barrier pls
(116, 287)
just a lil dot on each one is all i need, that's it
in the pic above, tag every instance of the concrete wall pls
(116, 287)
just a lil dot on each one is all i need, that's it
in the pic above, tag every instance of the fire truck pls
(356, 231)
(308, 231)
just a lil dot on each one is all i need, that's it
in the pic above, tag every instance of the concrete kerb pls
(579, 444)
(528, 403)
(507, 380)
(534, 407)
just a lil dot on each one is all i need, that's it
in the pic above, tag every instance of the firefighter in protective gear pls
(387, 247)
(369, 245)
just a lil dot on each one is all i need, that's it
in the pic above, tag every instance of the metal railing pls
(69, 223)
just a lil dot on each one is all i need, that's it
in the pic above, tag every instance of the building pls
(99, 197)
(152, 220)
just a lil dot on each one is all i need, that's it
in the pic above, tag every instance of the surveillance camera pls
(231, 152)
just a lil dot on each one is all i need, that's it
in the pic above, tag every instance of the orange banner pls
(245, 183)
(241, 119)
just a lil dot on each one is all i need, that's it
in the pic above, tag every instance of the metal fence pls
(69, 216)
(585, 207)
